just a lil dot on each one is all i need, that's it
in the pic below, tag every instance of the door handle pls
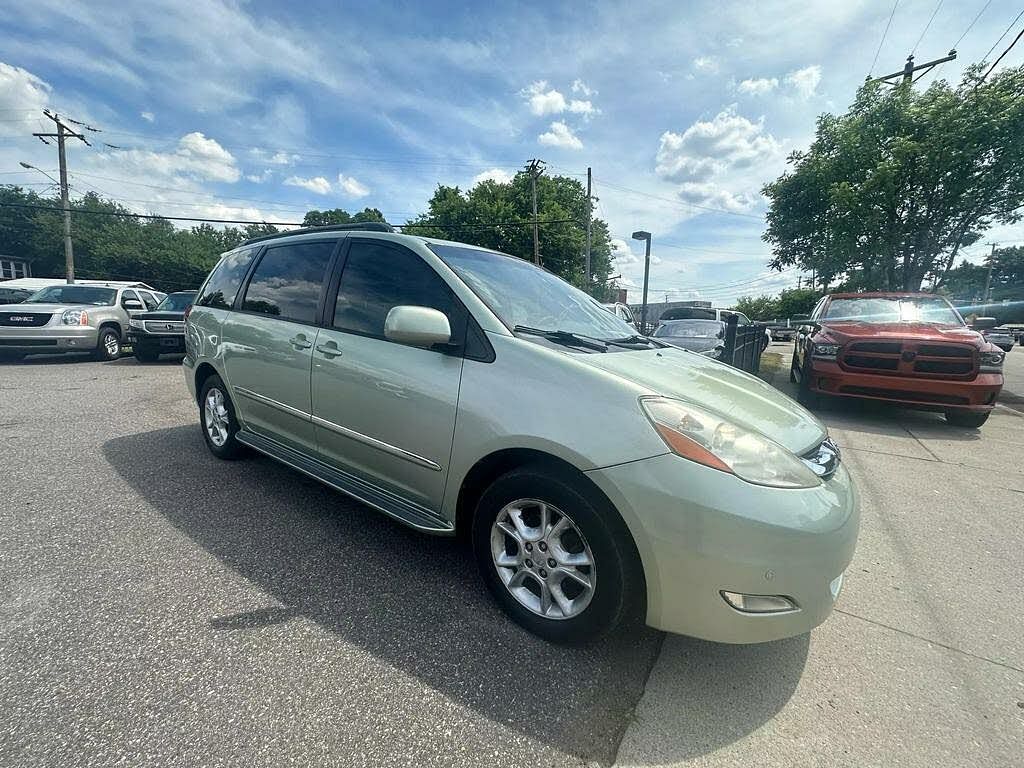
(328, 349)
(300, 342)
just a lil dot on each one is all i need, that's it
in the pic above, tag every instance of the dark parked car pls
(1001, 337)
(161, 331)
(704, 336)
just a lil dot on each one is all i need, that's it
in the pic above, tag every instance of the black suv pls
(161, 331)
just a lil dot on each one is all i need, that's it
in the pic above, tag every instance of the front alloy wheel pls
(543, 559)
(217, 416)
(108, 345)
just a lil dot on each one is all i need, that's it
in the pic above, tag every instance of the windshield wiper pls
(564, 337)
(636, 339)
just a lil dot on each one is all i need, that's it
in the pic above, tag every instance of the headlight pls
(992, 362)
(135, 323)
(75, 317)
(825, 351)
(709, 439)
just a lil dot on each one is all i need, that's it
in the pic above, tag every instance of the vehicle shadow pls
(416, 602)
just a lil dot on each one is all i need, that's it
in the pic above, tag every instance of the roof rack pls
(364, 226)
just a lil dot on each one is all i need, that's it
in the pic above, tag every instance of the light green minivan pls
(600, 476)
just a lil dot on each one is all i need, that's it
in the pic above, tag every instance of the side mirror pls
(984, 323)
(132, 304)
(418, 326)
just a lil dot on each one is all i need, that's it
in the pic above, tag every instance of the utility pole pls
(988, 280)
(907, 73)
(63, 132)
(646, 236)
(799, 281)
(590, 218)
(535, 168)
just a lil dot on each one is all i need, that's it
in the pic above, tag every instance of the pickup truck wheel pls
(560, 564)
(217, 417)
(108, 344)
(805, 395)
(966, 418)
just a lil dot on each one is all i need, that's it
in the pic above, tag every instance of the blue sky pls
(260, 110)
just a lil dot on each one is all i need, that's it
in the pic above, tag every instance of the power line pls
(996, 63)
(680, 203)
(882, 41)
(1005, 33)
(971, 25)
(926, 28)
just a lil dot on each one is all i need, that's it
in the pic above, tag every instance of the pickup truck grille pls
(24, 319)
(912, 359)
(165, 326)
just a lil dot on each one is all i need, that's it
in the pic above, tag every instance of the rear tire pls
(108, 344)
(966, 418)
(596, 582)
(218, 420)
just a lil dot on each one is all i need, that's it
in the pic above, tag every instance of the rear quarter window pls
(223, 283)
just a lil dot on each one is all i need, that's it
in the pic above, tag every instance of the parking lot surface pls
(160, 607)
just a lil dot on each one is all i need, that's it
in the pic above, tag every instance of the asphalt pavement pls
(160, 607)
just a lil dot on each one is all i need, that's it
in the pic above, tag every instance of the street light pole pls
(646, 237)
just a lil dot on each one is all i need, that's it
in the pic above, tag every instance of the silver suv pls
(80, 317)
(600, 476)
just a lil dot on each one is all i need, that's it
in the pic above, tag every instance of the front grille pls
(24, 319)
(904, 394)
(165, 326)
(28, 342)
(910, 359)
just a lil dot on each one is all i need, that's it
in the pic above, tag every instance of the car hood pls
(743, 399)
(857, 331)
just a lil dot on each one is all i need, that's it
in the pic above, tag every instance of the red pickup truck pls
(910, 348)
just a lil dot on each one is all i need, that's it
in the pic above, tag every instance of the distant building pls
(12, 267)
(654, 310)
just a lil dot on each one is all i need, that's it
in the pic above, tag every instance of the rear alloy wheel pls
(217, 417)
(561, 564)
(966, 418)
(108, 344)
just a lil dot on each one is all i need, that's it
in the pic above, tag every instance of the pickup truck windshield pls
(74, 294)
(176, 302)
(893, 310)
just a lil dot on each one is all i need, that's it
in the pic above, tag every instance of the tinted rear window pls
(225, 280)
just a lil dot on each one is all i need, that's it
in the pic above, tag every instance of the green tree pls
(468, 216)
(888, 193)
(796, 301)
(316, 218)
(968, 280)
(757, 307)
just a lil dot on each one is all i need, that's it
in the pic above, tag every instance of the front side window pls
(74, 294)
(225, 280)
(903, 309)
(288, 280)
(378, 277)
(148, 299)
(522, 294)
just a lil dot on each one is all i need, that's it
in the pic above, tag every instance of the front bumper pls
(978, 394)
(49, 339)
(700, 531)
(170, 342)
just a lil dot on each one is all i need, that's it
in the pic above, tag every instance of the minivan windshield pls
(902, 309)
(522, 294)
(74, 294)
(176, 302)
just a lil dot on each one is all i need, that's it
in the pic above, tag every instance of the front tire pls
(966, 418)
(557, 559)
(108, 344)
(218, 420)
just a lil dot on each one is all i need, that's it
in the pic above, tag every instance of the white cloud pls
(805, 81)
(495, 174)
(714, 196)
(560, 135)
(282, 158)
(22, 94)
(622, 254)
(259, 178)
(317, 184)
(758, 86)
(543, 100)
(149, 117)
(707, 64)
(709, 147)
(351, 187)
(578, 86)
(196, 157)
(583, 107)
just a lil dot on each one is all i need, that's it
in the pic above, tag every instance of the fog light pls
(759, 603)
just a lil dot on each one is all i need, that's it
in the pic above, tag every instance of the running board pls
(389, 503)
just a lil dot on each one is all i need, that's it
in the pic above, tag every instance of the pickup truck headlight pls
(709, 439)
(75, 317)
(992, 362)
(135, 323)
(825, 351)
